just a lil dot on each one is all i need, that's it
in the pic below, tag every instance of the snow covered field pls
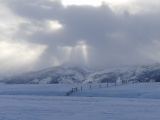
(139, 101)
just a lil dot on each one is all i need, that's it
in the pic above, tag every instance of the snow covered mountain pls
(130, 73)
(52, 75)
(81, 74)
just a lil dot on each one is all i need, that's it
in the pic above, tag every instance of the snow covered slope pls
(132, 90)
(81, 74)
(131, 73)
(52, 75)
(138, 101)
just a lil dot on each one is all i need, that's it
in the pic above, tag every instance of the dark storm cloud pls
(111, 38)
(81, 22)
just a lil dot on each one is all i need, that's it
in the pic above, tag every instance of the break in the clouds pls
(36, 34)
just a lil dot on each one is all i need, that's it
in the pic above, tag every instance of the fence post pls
(81, 87)
(90, 87)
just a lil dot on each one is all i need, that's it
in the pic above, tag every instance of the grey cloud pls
(111, 38)
(34, 10)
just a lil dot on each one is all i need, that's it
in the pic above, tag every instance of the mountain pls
(81, 74)
(139, 73)
(53, 75)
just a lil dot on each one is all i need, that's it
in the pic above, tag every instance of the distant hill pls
(81, 74)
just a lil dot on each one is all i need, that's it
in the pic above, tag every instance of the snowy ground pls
(139, 101)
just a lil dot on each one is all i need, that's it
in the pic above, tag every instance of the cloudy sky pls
(36, 34)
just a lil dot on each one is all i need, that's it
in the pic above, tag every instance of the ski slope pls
(138, 101)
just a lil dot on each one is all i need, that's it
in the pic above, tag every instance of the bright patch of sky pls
(53, 25)
(118, 6)
(17, 55)
(95, 3)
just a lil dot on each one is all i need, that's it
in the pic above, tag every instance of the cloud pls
(18, 55)
(103, 35)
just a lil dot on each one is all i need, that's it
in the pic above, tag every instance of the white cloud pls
(9, 23)
(18, 55)
(119, 6)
